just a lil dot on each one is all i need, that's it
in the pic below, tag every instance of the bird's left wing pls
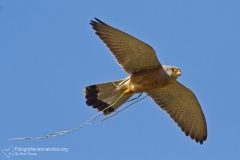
(183, 107)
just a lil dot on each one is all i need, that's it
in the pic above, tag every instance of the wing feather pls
(183, 107)
(132, 54)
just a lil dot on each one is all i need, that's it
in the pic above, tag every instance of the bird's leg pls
(127, 91)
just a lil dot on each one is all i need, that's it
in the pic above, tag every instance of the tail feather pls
(101, 96)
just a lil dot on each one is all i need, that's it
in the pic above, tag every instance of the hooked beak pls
(177, 71)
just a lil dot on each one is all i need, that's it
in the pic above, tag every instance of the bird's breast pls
(148, 80)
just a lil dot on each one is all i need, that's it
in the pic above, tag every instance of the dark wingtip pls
(196, 139)
(92, 22)
(99, 20)
(205, 138)
(201, 140)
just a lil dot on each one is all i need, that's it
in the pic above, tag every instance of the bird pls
(146, 75)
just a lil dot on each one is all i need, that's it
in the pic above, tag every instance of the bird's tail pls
(108, 95)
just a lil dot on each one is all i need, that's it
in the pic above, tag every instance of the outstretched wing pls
(132, 54)
(183, 107)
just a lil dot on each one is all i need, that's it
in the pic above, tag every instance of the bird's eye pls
(173, 69)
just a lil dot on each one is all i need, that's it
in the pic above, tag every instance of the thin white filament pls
(90, 121)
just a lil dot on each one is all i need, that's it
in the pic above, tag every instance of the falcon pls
(146, 74)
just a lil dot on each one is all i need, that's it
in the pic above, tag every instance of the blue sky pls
(49, 53)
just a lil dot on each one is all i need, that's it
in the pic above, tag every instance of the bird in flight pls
(146, 74)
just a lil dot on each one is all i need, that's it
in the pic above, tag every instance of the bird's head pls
(172, 71)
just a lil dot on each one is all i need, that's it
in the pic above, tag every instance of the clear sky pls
(49, 53)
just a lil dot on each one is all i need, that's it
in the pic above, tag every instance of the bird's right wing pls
(132, 54)
(183, 107)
